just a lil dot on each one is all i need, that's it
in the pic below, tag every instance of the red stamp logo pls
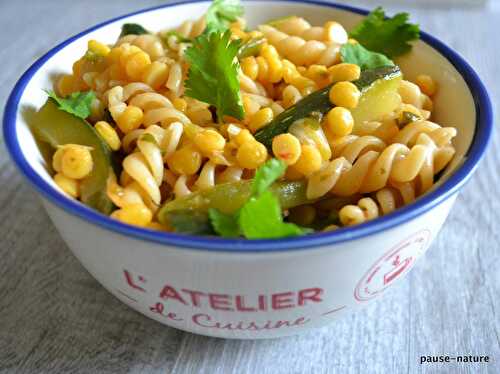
(394, 264)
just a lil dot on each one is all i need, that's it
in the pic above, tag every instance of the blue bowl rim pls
(482, 136)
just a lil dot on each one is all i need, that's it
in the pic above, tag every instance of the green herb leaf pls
(391, 36)
(251, 47)
(133, 29)
(365, 59)
(266, 175)
(149, 138)
(221, 13)
(78, 103)
(406, 118)
(225, 225)
(190, 222)
(92, 56)
(260, 218)
(213, 73)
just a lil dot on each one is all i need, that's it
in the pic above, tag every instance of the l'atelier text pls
(241, 303)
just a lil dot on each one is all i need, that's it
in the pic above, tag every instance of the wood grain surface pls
(55, 318)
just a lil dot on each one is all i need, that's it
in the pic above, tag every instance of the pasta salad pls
(214, 128)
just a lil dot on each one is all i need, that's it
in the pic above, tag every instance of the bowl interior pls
(454, 104)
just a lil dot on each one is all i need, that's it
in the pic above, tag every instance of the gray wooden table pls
(54, 317)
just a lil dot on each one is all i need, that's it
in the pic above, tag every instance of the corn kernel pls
(109, 135)
(345, 72)
(286, 147)
(309, 161)
(201, 116)
(250, 106)
(78, 66)
(134, 214)
(179, 104)
(250, 68)
(260, 119)
(427, 84)
(335, 32)
(291, 95)
(66, 85)
(302, 215)
(74, 161)
(114, 55)
(243, 137)
(124, 52)
(318, 73)
(275, 66)
(209, 141)
(136, 64)
(251, 154)
(185, 161)
(98, 48)
(339, 121)
(351, 215)
(155, 75)
(345, 94)
(57, 159)
(68, 185)
(130, 119)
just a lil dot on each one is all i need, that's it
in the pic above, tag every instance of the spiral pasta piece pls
(359, 168)
(207, 176)
(230, 174)
(158, 109)
(146, 166)
(250, 86)
(409, 134)
(352, 146)
(128, 195)
(191, 29)
(330, 32)
(151, 44)
(181, 188)
(300, 51)
(382, 202)
(308, 134)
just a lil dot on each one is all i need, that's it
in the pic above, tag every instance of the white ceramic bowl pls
(263, 288)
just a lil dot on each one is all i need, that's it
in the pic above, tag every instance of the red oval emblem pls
(391, 266)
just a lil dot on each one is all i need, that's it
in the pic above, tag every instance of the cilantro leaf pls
(260, 218)
(78, 103)
(389, 36)
(213, 73)
(225, 225)
(267, 175)
(221, 13)
(359, 55)
(133, 29)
